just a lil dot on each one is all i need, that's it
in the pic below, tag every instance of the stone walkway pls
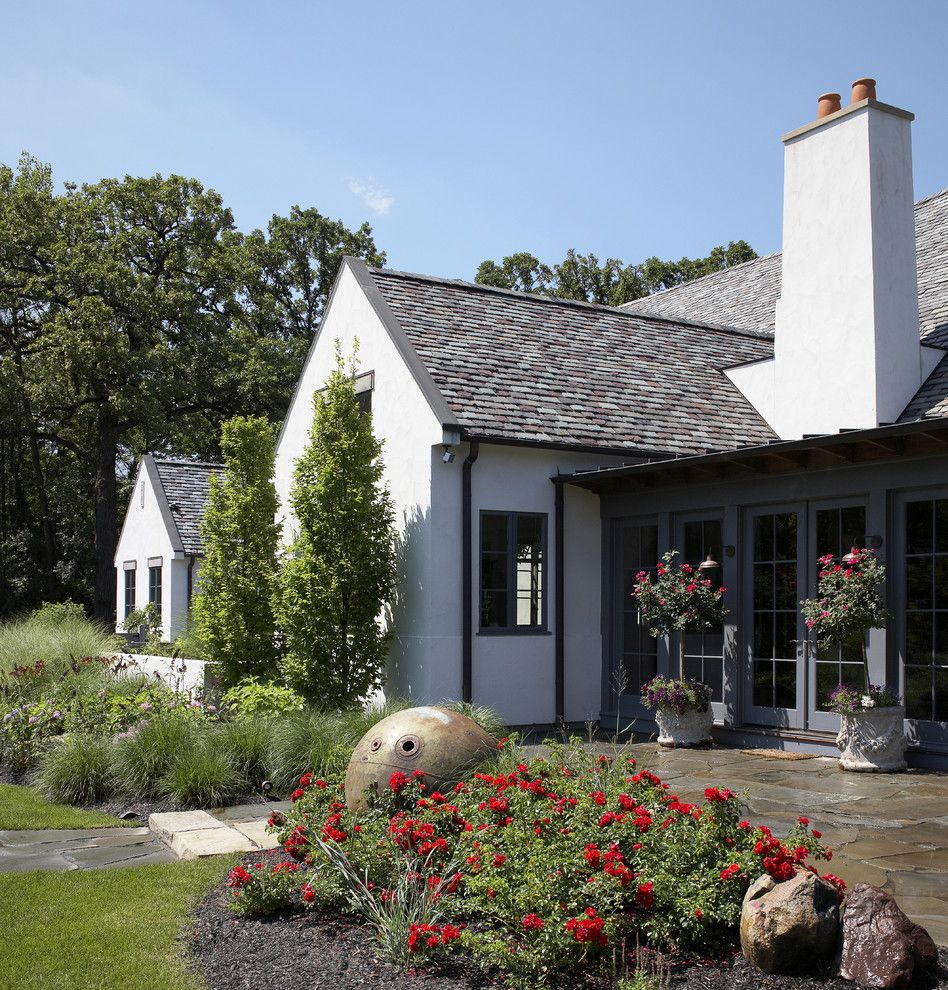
(890, 830)
(176, 835)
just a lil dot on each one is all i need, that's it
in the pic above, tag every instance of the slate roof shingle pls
(523, 367)
(186, 486)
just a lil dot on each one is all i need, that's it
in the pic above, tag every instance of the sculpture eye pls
(376, 745)
(408, 746)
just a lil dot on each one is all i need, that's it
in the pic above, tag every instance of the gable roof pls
(745, 296)
(183, 487)
(516, 367)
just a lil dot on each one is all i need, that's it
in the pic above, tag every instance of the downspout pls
(559, 605)
(191, 559)
(467, 586)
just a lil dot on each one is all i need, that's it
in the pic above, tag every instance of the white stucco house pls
(159, 552)
(540, 452)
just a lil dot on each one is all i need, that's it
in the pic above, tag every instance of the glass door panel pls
(925, 647)
(834, 529)
(704, 650)
(775, 677)
(635, 652)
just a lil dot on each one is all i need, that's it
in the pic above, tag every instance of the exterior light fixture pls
(711, 563)
(448, 456)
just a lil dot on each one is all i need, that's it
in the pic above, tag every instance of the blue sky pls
(464, 131)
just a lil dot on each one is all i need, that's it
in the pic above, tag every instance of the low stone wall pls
(180, 674)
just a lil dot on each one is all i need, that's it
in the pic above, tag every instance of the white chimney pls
(846, 342)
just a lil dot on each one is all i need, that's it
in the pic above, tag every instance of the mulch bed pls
(298, 951)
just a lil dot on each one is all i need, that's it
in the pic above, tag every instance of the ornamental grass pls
(536, 868)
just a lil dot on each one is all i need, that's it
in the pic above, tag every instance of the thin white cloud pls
(377, 199)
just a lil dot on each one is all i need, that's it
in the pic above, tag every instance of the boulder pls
(789, 926)
(881, 947)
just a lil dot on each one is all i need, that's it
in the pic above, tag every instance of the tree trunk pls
(106, 538)
(49, 536)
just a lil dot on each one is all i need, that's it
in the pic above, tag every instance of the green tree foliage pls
(339, 577)
(134, 317)
(233, 608)
(611, 282)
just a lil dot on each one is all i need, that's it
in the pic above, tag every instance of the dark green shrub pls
(145, 755)
(77, 770)
(202, 775)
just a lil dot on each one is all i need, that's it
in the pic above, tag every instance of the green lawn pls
(101, 929)
(22, 807)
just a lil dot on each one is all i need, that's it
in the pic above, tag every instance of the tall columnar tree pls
(339, 576)
(233, 609)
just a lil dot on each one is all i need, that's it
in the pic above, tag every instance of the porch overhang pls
(917, 438)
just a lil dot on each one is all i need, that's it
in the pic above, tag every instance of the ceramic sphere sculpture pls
(442, 744)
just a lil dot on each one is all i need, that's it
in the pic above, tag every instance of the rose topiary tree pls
(848, 601)
(678, 600)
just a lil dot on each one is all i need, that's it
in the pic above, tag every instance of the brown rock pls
(881, 947)
(789, 926)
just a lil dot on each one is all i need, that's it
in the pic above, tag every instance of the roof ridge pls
(537, 297)
(719, 272)
(159, 459)
(926, 199)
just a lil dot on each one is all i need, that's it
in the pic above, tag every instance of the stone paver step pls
(195, 834)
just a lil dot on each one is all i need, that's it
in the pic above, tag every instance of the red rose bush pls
(533, 868)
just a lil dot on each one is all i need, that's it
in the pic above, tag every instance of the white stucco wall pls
(144, 536)
(846, 346)
(516, 673)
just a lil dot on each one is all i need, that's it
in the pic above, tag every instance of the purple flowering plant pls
(671, 694)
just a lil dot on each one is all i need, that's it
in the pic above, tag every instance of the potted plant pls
(680, 599)
(849, 604)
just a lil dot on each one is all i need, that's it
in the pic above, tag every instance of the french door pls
(788, 679)
(775, 676)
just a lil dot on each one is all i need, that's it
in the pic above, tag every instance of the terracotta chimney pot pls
(828, 103)
(864, 89)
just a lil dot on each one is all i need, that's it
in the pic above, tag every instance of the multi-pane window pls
(838, 530)
(513, 566)
(704, 650)
(775, 610)
(638, 551)
(154, 585)
(926, 609)
(130, 573)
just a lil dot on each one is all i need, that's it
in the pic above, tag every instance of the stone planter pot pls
(691, 728)
(873, 740)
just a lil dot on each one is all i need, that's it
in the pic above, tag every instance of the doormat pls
(780, 754)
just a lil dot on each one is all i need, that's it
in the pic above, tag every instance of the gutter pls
(467, 584)
(191, 559)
